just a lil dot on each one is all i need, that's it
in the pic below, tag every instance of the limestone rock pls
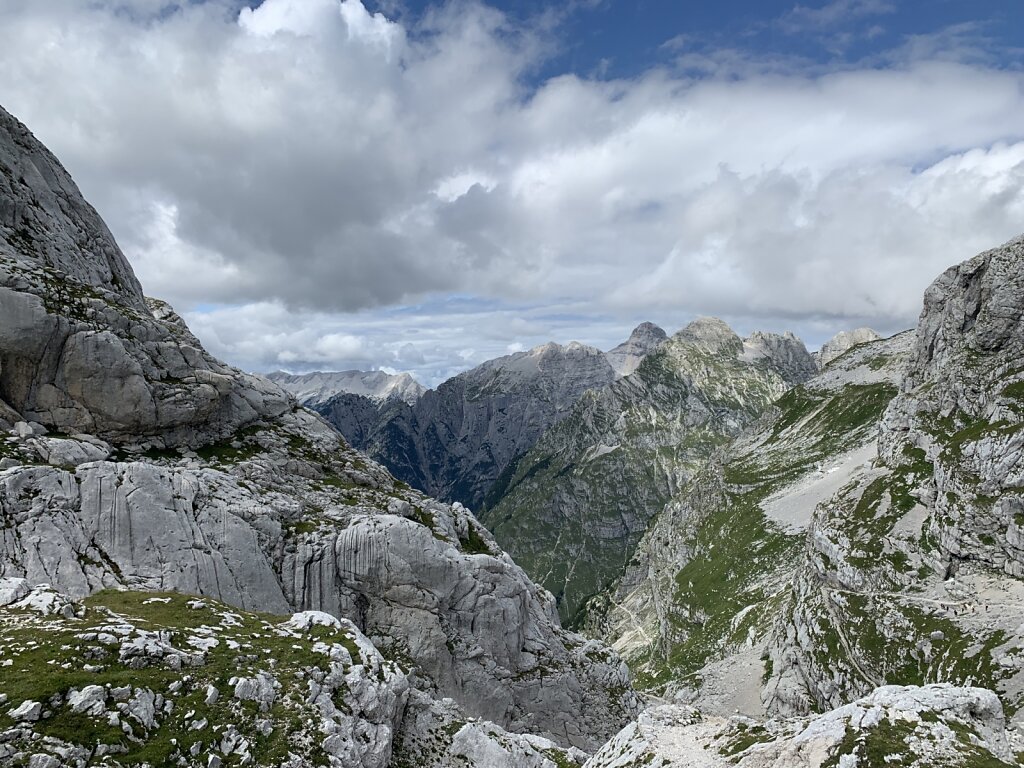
(627, 356)
(917, 727)
(12, 590)
(217, 484)
(843, 341)
(315, 389)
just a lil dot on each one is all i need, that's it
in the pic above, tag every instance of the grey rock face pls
(314, 389)
(627, 356)
(843, 341)
(44, 220)
(80, 349)
(784, 353)
(457, 439)
(267, 527)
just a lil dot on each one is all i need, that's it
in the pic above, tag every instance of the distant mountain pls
(313, 389)
(457, 439)
(841, 342)
(644, 339)
(574, 507)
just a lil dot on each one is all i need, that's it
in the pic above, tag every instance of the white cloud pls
(308, 167)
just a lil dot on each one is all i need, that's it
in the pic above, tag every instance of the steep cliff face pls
(457, 439)
(81, 350)
(136, 461)
(574, 508)
(912, 572)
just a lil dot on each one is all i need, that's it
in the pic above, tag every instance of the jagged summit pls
(627, 356)
(784, 352)
(315, 388)
(843, 341)
(710, 331)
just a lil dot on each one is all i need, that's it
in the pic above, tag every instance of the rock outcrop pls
(627, 356)
(841, 342)
(917, 727)
(167, 679)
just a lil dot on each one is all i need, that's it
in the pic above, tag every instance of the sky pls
(420, 186)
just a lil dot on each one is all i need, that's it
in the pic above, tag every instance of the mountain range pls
(770, 558)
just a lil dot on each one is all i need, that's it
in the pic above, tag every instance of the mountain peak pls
(843, 341)
(783, 352)
(710, 331)
(626, 357)
(647, 330)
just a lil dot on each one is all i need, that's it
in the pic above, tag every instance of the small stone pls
(28, 710)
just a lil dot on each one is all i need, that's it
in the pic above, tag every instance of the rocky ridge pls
(703, 588)
(456, 440)
(313, 389)
(918, 560)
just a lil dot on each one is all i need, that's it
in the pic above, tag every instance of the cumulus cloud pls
(313, 170)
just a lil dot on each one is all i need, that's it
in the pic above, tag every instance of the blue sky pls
(618, 38)
(317, 184)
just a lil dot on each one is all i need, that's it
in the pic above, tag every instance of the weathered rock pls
(81, 350)
(12, 590)
(917, 727)
(842, 342)
(627, 356)
(315, 389)
(217, 484)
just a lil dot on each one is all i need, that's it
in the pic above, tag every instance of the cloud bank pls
(317, 186)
